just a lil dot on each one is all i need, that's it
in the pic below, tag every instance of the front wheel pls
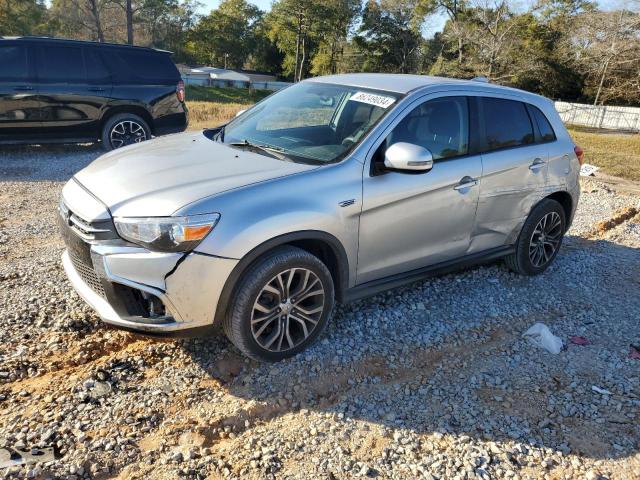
(124, 129)
(539, 240)
(281, 305)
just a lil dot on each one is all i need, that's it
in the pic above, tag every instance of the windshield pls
(310, 122)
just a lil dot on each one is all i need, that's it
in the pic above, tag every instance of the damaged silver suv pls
(330, 190)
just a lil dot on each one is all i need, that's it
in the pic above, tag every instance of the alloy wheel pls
(545, 239)
(287, 309)
(127, 132)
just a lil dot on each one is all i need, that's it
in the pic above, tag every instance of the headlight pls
(167, 234)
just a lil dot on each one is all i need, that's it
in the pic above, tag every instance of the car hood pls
(158, 177)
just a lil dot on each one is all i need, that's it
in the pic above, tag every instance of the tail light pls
(579, 153)
(180, 91)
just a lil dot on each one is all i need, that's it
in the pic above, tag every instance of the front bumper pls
(188, 286)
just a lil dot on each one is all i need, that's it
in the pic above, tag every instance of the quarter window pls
(13, 63)
(507, 124)
(60, 65)
(546, 130)
(441, 126)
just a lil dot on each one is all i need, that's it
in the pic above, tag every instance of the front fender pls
(310, 201)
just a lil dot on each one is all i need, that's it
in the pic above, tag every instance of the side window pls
(140, 66)
(96, 70)
(440, 125)
(13, 63)
(507, 123)
(546, 130)
(60, 65)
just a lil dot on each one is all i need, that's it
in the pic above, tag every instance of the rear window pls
(60, 65)
(507, 124)
(13, 63)
(139, 66)
(96, 69)
(546, 130)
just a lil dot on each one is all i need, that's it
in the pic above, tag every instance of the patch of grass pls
(212, 114)
(616, 154)
(224, 95)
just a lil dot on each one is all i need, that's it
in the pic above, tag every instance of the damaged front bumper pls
(137, 289)
(128, 285)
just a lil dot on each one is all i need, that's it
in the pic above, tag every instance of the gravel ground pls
(429, 381)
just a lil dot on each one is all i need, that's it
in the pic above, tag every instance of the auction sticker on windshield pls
(373, 99)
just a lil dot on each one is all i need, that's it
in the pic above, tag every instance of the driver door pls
(414, 220)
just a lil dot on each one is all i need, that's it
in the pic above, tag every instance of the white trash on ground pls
(601, 391)
(540, 336)
(587, 170)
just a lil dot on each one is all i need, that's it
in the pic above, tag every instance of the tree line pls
(563, 49)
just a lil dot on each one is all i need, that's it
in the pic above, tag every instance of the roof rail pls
(480, 79)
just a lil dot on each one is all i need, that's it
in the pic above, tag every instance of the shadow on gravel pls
(33, 163)
(475, 376)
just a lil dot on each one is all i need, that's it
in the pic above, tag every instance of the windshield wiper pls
(275, 152)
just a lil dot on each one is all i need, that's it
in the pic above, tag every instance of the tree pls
(22, 17)
(607, 50)
(336, 24)
(294, 28)
(265, 55)
(388, 36)
(85, 19)
(451, 8)
(226, 36)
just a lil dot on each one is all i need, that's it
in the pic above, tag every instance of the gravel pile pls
(433, 380)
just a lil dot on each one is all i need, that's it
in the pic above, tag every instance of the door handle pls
(95, 89)
(537, 164)
(466, 182)
(23, 88)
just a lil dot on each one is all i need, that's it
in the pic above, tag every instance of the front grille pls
(88, 275)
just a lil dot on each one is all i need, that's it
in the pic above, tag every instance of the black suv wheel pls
(124, 129)
(281, 305)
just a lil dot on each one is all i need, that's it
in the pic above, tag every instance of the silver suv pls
(330, 190)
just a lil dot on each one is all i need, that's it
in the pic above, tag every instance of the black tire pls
(241, 324)
(141, 130)
(523, 261)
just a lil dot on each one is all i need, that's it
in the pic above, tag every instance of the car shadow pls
(36, 163)
(446, 355)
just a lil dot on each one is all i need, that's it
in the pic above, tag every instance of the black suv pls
(68, 91)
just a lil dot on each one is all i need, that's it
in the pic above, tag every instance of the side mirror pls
(408, 157)
(241, 112)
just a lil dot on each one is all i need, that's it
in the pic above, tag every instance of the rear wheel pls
(281, 305)
(539, 240)
(124, 129)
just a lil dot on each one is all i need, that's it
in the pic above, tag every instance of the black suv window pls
(506, 122)
(60, 64)
(440, 125)
(546, 130)
(140, 66)
(13, 63)
(96, 70)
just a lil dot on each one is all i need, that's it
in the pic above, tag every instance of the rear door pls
(514, 170)
(19, 104)
(74, 87)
